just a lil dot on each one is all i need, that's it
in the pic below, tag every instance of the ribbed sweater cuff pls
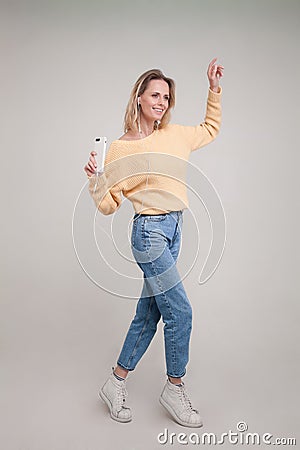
(95, 177)
(214, 96)
(98, 184)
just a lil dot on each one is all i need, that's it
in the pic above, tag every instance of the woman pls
(158, 201)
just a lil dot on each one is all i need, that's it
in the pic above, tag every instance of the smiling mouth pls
(158, 110)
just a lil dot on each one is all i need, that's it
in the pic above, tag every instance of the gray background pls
(66, 72)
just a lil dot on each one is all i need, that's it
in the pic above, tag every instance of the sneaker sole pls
(107, 402)
(176, 418)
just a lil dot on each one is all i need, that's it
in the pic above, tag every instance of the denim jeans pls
(155, 243)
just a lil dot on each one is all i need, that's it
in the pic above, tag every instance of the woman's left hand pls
(214, 73)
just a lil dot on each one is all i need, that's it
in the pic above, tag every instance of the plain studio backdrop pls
(67, 68)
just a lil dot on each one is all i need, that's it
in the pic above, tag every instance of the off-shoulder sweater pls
(151, 172)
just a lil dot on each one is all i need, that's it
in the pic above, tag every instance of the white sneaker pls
(175, 399)
(114, 394)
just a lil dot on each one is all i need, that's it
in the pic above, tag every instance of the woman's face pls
(155, 100)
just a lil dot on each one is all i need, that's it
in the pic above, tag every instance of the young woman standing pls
(158, 202)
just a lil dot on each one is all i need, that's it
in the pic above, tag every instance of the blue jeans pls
(155, 242)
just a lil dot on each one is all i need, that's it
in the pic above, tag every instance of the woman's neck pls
(146, 128)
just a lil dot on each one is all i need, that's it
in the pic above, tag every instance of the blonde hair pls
(132, 111)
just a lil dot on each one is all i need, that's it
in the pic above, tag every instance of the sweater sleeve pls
(106, 195)
(205, 132)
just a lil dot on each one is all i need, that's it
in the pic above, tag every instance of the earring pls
(139, 122)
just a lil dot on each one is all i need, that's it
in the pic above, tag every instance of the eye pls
(154, 95)
(167, 98)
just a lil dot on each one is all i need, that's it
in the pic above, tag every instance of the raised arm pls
(206, 132)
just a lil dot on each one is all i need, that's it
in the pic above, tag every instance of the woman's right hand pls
(91, 166)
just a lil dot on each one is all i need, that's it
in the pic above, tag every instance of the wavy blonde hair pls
(132, 111)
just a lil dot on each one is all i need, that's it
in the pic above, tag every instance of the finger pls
(87, 171)
(93, 160)
(210, 66)
(91, 166)
(213, 62)
(211, 71)
(215, 68)
(93, 153)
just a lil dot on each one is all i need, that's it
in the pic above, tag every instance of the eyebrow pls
(156, 92)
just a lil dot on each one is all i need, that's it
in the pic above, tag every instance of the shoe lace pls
(186, 400)
(121, 397)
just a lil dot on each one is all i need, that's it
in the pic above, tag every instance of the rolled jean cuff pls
(176, 376)
(124, 367)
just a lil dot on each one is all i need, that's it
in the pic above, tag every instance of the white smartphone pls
(100, 148)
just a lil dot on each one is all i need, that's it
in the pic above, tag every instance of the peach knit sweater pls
(151, 172)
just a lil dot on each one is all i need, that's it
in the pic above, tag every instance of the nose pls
(163, 102)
